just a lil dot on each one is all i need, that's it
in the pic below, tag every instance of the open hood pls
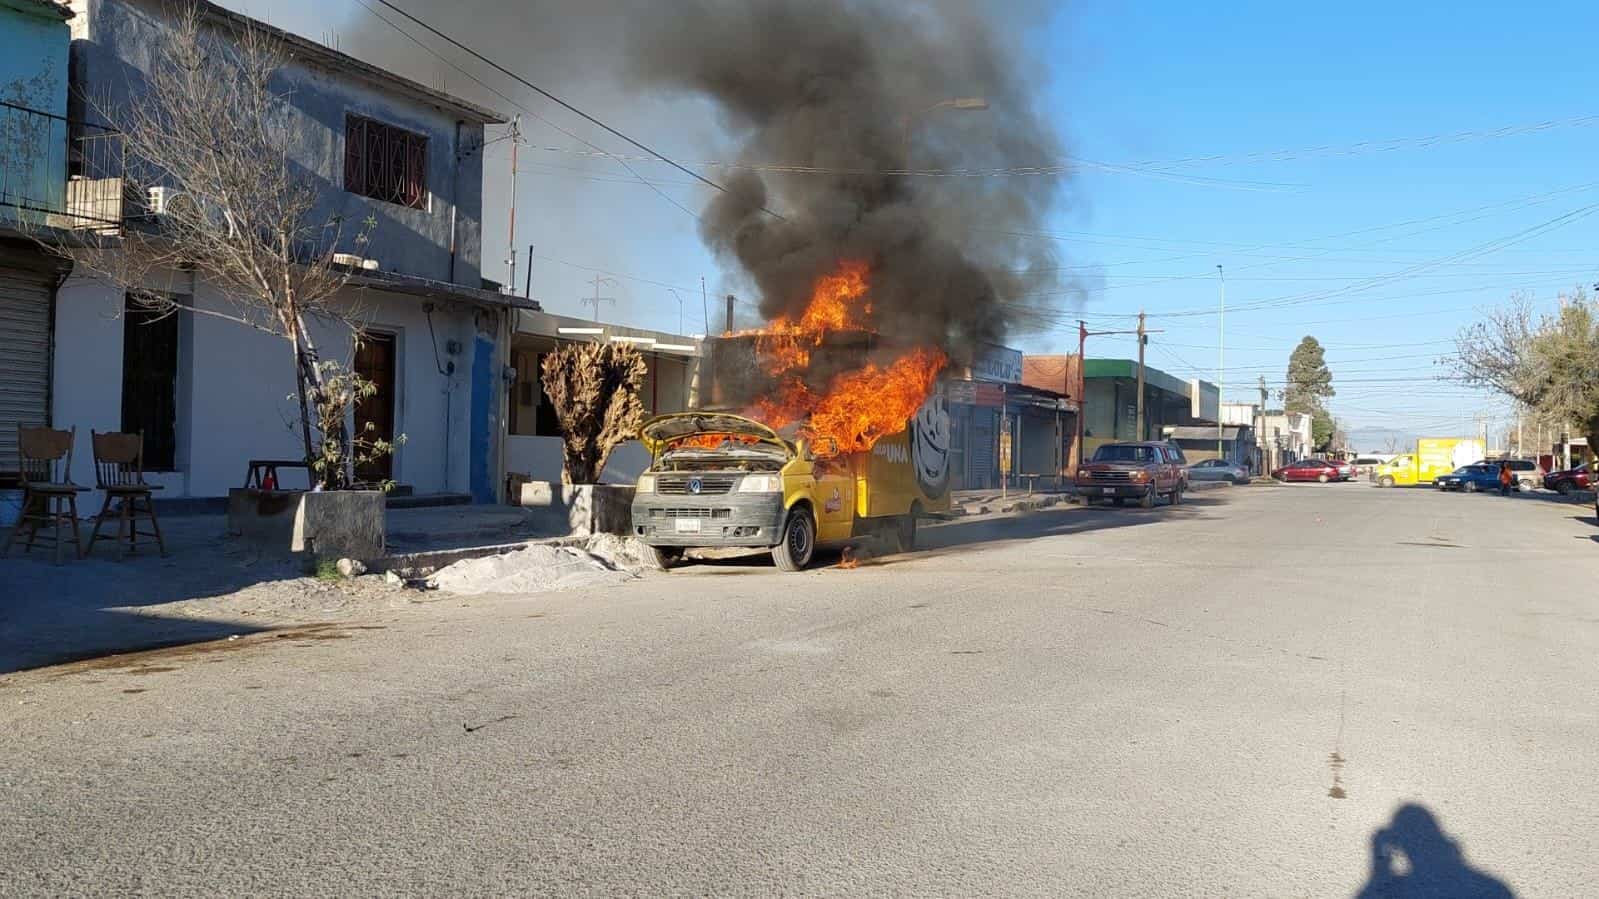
(663, 429)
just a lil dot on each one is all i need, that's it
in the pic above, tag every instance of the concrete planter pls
(332, 524)
(598, 508)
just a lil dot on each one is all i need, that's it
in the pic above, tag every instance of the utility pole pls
(597, 299)
(1082, 383)
(1260, 435)
(705, 307)
(1142, 339)
(516, 142)
(528, 290)
(1221, 362)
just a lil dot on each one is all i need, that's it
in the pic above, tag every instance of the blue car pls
(1470, 478)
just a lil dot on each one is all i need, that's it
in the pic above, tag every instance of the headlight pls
(1140, 476)
(646, 484)
(761, 483)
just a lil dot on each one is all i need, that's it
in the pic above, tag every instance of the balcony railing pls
(59, 173)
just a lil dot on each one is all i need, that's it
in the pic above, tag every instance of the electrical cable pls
(562, 103)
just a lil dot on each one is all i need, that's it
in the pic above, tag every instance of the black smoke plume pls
(836, 104)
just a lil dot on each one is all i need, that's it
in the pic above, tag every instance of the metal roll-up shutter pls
(24, 356)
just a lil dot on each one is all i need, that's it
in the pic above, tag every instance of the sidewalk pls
(211, 586)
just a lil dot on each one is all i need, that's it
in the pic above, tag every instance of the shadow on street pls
(970, 534)
(1411, 856)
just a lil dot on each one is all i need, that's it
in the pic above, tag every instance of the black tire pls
(1564, 488)
(798, 545)
(1147, 501)
(1471, 486)
(1177, 495)
(1386, 481)
(663, 558)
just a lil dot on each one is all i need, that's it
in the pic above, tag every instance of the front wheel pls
(798, 544)
(1322, 478)
(1564, 488)
(663, 558)
(1386, 481)
(1471, 486)
(1147, 501)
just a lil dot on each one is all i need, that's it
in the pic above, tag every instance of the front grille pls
(710, 484)
(1111, 475)
(685, 512)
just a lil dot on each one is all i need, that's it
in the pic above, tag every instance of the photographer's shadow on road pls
(1412, 857)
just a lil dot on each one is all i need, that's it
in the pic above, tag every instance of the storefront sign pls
(975, 393)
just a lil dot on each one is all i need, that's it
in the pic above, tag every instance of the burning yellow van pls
(722, 480)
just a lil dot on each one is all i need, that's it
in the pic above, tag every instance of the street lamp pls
(969, 104)
(679, 309)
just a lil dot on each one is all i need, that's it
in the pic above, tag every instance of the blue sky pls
(1381, 251)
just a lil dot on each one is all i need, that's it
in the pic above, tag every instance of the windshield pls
(1121, 452)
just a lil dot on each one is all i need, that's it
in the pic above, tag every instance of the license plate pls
(1093, 490)
(687, 525)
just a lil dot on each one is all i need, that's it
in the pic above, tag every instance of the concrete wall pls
(33, 73)
(117, 40)
(235, 386)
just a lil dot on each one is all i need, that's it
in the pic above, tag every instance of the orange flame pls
(848, 560)
(837, 303)
(713, 441)
(858, 407)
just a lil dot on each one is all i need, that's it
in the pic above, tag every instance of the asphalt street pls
(1267, 691)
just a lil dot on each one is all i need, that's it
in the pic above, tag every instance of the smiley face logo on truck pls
(930, 446)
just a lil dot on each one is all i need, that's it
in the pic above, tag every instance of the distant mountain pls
(1377, 439)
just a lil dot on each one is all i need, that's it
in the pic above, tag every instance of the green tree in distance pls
(1309, 385)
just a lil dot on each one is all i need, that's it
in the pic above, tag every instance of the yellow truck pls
(1434, 456)
(721, 480)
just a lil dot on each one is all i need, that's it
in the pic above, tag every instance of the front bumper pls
(1115, 489)
(733, 519)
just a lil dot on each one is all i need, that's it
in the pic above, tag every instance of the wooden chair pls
(48, 495)
(119, 471)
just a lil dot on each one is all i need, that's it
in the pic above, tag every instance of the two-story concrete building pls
(209, 394)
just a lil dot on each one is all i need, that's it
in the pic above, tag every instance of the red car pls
(1309, 470)
(1579, 478)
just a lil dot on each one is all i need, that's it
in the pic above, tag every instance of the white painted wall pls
(540, 459)
(235, 388)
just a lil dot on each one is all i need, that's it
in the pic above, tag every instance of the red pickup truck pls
(1144, 471)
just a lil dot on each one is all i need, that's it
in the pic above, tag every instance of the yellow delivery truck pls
(1434, 456)
(723, 480)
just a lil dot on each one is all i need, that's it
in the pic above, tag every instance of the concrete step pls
(428, 500)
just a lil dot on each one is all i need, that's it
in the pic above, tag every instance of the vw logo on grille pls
(695, 485)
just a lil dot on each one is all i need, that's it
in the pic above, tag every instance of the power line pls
(562, 103)
(486, 86)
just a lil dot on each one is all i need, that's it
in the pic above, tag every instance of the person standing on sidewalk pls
(1506, 477)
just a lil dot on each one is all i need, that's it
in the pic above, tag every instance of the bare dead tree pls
(214, 125)
(594, 388)
(1548, 364)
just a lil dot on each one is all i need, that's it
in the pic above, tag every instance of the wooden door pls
(374, 361)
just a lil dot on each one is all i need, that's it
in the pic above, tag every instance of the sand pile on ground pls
(538, 569)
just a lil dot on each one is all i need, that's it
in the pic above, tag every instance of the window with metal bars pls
(385, 163)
